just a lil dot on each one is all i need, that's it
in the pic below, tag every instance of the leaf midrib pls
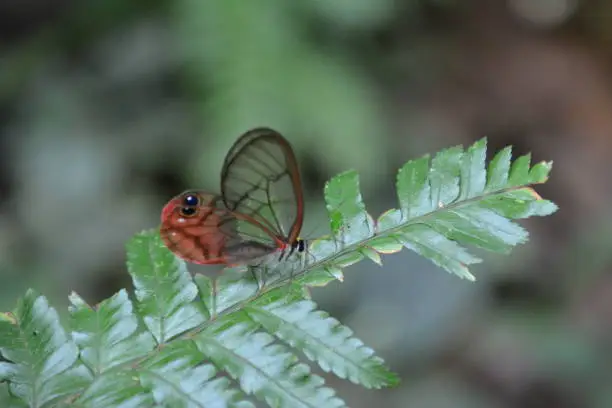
(321, 263)
(174, 386)
(259, 370)
(37, 373)
(334, 350)
(351, 248)
(162, 316)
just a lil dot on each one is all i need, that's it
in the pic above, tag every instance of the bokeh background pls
(110, 107)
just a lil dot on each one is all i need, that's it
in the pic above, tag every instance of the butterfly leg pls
(301, 266)
(213, 298)
(252, 269)
(261, 279)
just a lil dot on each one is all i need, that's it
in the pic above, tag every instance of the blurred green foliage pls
(107, 111)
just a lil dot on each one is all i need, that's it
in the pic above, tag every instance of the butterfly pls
(259, 212)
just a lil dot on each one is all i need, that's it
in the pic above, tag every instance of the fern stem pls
(421, 219)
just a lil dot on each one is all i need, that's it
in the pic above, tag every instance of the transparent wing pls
(260, 180)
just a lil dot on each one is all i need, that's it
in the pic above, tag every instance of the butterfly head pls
(195, 227)
(187, 205)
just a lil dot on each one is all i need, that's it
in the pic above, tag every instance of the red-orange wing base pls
(201, 234)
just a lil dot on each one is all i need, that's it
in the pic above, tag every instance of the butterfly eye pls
(191, 200)
(188, 211)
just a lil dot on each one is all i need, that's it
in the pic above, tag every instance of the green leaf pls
(499, 169)
(539, 173)
(519, 204)
(473, 174)
(413, 188)
(164, 288)
(232, 287)
(348, 259)
(519, 172)
(389, 220)
(386, 245)
(350, 223)
(9, 401)
(444, 176)
(107, 334)
(475, 206)
(323, 247)
(321, 276)
(440, 250)
(371, 254)
(263, 368)
(177, 378)
(479, 227)
(116, 389)
(197, 334)
(321, 338)
(43, 364)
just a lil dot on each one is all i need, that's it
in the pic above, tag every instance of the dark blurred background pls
(110, 107)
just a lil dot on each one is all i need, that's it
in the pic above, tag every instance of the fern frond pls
(174, 375)
(445, 203)
(321, 338)
(262, 367)
(178, 378)
(121, 388)
(43, 365)
(164, 288)
(107, 334)
(232, 288)
(182, 344)
(10, 401)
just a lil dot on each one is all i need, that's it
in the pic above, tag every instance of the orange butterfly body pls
(259, 180)
(195, 232)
